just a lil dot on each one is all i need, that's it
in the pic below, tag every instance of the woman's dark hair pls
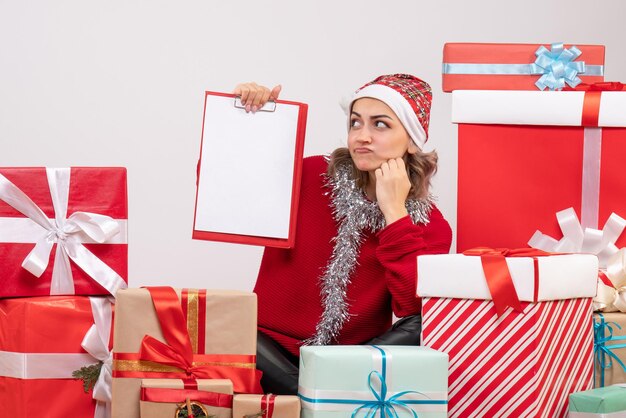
(421, 166)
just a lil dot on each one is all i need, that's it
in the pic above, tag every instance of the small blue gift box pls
(606, 402)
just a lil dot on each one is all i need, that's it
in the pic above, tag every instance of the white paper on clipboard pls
(245, 184)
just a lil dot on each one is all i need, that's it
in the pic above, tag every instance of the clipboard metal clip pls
(267, 107)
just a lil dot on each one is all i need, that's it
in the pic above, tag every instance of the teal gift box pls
(606, 402)
(363, 380)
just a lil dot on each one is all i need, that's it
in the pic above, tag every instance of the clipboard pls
(249, 172)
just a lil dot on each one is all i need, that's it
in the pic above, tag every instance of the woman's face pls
(376, 135)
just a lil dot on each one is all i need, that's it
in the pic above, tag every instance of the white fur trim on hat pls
(400, 107)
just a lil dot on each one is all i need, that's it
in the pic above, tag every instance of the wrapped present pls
(610, 348)
(339, 381)
(608, 402)
(266, 406)
(77, 214)
(611, 294)
(532, 154)
(516, 326)
(476, 66)
(47, 344)
(173, 398)
(182, 334)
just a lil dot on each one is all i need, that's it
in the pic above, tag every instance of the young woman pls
(365, 214)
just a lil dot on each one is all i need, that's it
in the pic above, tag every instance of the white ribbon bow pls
(612, 261)
(66, 232)
(96, 343)
(575, 240)
(610, 299)
(613, 298)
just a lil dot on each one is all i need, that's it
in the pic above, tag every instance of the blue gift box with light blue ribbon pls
(373, 381)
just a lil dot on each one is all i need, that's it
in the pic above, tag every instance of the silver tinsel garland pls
(355, 214)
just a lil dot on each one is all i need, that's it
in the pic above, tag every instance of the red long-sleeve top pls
(385, 278)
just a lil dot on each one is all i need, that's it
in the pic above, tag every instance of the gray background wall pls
(121, 83)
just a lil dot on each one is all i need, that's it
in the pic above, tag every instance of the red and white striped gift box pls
(518, 364)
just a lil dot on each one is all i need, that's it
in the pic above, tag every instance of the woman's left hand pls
(254, 96)
(392, 189)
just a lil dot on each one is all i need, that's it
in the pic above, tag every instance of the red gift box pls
(83, 211)
(520, 362)
(478, 66)
(40, 347)
(525, 156)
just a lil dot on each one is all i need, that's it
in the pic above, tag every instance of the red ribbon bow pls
(158, 352)
(498, 276)
(178, 351)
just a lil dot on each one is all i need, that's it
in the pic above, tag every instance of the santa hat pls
(408, 97)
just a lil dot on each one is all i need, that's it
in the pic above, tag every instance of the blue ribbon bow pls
(557, 67)
(386, 407)
(603, 333)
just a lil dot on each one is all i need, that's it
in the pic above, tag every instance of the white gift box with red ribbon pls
(507, 107)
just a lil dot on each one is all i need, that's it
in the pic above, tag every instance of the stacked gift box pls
(64, 260)
(539, 140)
(64, 254)
(162, 333)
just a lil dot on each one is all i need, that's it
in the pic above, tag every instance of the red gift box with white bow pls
(63, 231)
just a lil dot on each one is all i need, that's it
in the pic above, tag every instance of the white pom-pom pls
(345, 101)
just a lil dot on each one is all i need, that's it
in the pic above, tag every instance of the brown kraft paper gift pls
(160, 398)
(266, 406)
(197, 334)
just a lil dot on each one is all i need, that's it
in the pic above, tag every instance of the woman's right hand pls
(254, 96)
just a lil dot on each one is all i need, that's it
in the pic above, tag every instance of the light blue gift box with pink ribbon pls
(365, 381)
